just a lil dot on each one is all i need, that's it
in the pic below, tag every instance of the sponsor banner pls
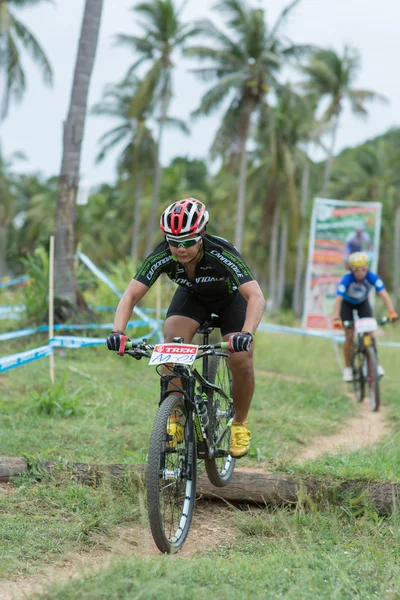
(338, 228)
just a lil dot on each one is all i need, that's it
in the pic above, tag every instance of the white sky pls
(35, 126)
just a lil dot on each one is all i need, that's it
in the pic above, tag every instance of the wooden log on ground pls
(253, 487)
(247, 486)
(12, 466)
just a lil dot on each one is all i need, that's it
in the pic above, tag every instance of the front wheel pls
(220, 412)
(171, 475)
(358, 367)
(373, 378)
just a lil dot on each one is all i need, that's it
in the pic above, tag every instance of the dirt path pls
(360, 431)
(212, 525)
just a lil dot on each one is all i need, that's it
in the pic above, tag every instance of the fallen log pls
(246, 487)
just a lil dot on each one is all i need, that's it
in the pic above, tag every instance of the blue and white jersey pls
(354, 291)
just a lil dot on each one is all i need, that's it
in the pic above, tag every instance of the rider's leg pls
(241, 367)
(348, 346)
(183, 327)
(179, 326)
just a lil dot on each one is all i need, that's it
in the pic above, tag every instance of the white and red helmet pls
(184, 217)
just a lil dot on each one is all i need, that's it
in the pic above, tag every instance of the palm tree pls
(65, 289)
(164, 34)
(279, 159)
(36, 199)
(331, 78)
(7, 213)
(136, 158)
(245, 66)
(13, 33)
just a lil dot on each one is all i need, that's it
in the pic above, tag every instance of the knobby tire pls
(373, 378)
(358, 375)
(220, 411)
(171, 501)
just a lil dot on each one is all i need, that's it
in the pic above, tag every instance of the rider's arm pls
(337, 306)
(387, 301)
(251, 292)
(132, 295)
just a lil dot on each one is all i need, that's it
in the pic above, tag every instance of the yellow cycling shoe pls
(175, 431)
(240, 439)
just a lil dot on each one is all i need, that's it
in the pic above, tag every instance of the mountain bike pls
(365, 359)
(193, 423)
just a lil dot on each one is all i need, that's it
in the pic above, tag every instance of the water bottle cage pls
(202, 412)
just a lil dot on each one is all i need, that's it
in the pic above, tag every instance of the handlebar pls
(143, 349)
(382, 321)
(145, 346)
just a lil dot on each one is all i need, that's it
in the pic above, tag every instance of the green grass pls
(281, 554)
(42, 521)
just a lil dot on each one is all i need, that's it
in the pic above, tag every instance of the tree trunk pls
(298, 279)
(273, 259)
(4, 53)
(246, 487)
(329, 158)
(282, 262)
(154, 216)
(270, 203)
(241, 194)
(4, 270)
(396, 257)
(65, 281)
(136, 216)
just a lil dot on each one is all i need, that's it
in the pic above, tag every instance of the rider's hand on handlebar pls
(113, 341)
(393, 316)
(240, 342)
(337, 323)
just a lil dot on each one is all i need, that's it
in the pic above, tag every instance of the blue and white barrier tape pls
(103, 277)
(22, 358)
(16, 360)
(14, 281)
(12, 312)
(83, 342)
(10, 335)
(330, 335)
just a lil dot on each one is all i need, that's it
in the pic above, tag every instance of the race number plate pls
(173, 353)
(366, 325)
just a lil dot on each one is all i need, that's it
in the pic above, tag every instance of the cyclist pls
(212, 278)
(352, 294)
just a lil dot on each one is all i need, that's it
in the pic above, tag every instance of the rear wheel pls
(220, 412)
(358, 375)
(171, 475)
(373, 378)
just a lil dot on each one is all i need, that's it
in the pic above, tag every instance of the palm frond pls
(145, 95)
(35, 50)
(15, 74)
(138, 44)
(115, 137)
(27, 3)
(177, 124)
(216, 95)
(282, 17)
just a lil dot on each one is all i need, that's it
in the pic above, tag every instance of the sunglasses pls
(185, 243)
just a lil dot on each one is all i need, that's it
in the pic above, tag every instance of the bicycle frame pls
(189, 376)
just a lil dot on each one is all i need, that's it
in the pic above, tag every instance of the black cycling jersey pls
(219, 272)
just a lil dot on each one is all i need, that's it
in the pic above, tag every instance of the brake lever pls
(137, 353)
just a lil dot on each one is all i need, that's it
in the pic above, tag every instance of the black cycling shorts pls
(363, 309)
(231, 310)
